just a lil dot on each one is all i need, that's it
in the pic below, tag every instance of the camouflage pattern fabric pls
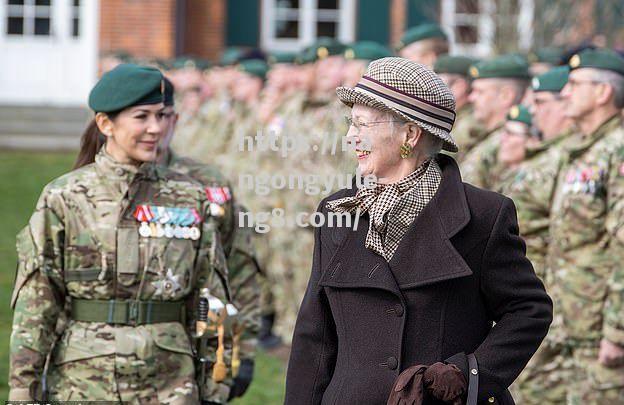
(467, 133)
(83, 242)
(585, 257)
(481, 163)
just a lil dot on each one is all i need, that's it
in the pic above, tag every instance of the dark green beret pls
(519, 113)
(550, 55)
(282, 57)
(510, 66)
(367, 50)
(231, 56)
(599, 58)
(254, 67)
(168, 98)
(127, 85)
(553, 80)
(321, 49)
(188, 62)
(459, 65)
(420, 33)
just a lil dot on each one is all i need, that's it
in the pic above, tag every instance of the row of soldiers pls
(543, 129)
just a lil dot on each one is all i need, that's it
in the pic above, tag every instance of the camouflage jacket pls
(467, 132)
(531, 186)
(480, 163)
(243, 268)
(85, 242)
(586, 251)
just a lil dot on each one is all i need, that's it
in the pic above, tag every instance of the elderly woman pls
(402, 309)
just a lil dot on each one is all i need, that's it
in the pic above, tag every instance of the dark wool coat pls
(460, 268)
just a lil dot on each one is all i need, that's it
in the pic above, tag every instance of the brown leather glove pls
(445, 382)
(408, 387)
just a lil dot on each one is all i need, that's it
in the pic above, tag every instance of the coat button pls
(392, 363)
(398, 310)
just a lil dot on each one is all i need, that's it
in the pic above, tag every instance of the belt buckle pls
(133, 313)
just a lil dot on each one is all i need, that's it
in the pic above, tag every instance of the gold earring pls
(406, 150)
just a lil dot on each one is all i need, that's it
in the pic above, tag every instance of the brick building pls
(52, 46)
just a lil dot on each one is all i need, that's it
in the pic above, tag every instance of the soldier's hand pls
(610, 355)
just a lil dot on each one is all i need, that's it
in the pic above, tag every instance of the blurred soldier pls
(244, 275)
(454, 71)
(497, 85)
(544, 59)
(358, 56)
(546, 377)
(587, 247)
(423, 44)
(514, 137)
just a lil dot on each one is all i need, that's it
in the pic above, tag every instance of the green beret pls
(282, 57)
(420, 33)
(367, 50)
(187, 62)
(231, 56)
(127, 85)
(168, 98)
(254, 67)
(510, 66)
(553, 80)
(459, 65)
(519, 113)
(550, 55)
(321, 49)
(599, 58)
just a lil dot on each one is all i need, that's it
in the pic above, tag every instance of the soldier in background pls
(546, 377)
(587, 217)
(497, 85)
(454, 71)
(544, 59)
(423, 44)
(358, 56)
(515, 135)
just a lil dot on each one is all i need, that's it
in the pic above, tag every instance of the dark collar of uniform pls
(586, 142)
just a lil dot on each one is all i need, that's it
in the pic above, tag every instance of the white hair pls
(613, 79)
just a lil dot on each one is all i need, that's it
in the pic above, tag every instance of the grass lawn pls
(22, 177)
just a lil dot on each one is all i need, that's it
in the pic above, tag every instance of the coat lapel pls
(425, 254)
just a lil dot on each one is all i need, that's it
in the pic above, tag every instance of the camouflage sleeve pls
(37, 300)
(244, 277)
(613, 312)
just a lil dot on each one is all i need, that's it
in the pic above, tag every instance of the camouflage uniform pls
(585, 257)
(245, 279)
(479, 164)
(467, 132)
(82, 244)
(532, 186)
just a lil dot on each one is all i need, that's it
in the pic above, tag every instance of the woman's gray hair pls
(429, 144)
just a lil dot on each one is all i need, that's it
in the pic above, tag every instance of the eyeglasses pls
(359, 125)
(575, 83)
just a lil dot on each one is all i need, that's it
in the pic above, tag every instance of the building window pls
(75, 18)
(29, 17)
(293, 24)
(483, 27)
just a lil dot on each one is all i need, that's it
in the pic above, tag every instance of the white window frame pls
(449, 19)
(309, 15)
(28, 11)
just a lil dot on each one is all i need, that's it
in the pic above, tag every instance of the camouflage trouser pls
(267, 299)
(595, 384)
(547, 376)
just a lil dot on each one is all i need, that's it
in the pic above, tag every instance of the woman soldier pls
(123, 249)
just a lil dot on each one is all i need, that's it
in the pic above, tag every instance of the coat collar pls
(425, 254)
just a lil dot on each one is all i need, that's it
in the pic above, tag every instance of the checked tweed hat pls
(409, 90)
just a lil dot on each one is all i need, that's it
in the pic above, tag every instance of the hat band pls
(408, 104)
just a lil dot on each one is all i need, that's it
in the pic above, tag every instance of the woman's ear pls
(413, 134)
(104, 124)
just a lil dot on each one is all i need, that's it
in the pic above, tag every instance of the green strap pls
(126, 312)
